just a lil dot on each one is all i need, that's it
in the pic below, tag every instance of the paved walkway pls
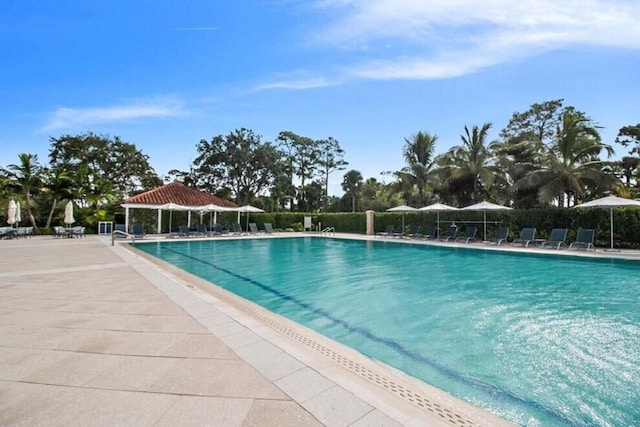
(97, 335)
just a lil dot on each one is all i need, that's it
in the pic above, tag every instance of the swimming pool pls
(537, 339)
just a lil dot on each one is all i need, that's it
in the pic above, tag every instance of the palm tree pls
(420, 168)
(468, 168)
(27, 178)
(58, 185)
(351, 184)
(572, 166)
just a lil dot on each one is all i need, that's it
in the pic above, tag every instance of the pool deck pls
(94, 334)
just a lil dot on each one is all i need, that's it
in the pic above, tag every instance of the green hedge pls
(626, 222)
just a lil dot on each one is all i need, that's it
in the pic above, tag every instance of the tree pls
(330, 159)
(58, 185)
(572, 165)
(302, 159)
(468, 167)
(525, 140)
(100, 158)
(352, 184)
(630, 135)
(420, 162)
(239, 160)
(26, 177)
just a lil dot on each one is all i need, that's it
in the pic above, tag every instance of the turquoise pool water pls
(542, 340)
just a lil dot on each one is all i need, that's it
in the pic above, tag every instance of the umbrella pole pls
(611, 219)
(485, 225)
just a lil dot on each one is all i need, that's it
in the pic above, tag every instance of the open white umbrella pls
(403, 209)
(172, 207)
(11, 212)
(68, 213)
(437, 208)
(248, 209)
(485, 206)
(610, 202)
(215, 209)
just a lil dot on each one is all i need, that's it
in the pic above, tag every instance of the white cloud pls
(417, 39)
(65, 117)
(295, 82)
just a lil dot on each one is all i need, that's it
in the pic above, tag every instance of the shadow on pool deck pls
(94, 334)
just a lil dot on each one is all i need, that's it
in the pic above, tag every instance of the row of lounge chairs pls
(202, 230)
(527, 238)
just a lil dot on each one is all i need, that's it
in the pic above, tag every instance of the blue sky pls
(164, 74)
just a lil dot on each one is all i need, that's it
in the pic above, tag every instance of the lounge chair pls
(527, 235)
(138, 230)
(450, 234)
(201, 229)
(268, 228)
(469, 234)
(237, 229)
(414, 231)
(557, 238)
(431, 232)
(122, 228)
(219, 229)
(183, 230)
(388, 232)
(501, 236)
(584, 239)
(253, 228)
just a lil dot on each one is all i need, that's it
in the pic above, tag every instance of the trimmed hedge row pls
(626, 222)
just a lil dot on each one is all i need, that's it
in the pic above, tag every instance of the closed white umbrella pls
(11, 212)
(18, 213)
(610, 202)
(403, 209)
(485, 206)
(437, 208)
(68, 213)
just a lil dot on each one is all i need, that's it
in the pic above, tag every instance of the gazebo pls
(173, 194)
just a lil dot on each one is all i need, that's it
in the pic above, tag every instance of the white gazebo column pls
(126, 219)
(189, 219)
(159, 221)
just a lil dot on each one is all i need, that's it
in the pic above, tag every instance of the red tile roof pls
(180, 194)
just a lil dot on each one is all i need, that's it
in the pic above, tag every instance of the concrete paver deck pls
(97, 335)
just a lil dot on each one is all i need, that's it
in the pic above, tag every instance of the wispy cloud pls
(295, 83)
(447, 38)
(195, 29)
(65, 117)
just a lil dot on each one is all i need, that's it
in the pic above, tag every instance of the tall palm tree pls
(572, 166)
(26, 176)
(352, 184)
(420, 162)
(468, 167)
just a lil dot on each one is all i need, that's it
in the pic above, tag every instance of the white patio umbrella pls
(403, 209)
(610, 202)
(18, 214)
(172, 207)
(11, 212)
(437, 208)
(68, 213)
(485, 206)
(248, 209)
(215, 209)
